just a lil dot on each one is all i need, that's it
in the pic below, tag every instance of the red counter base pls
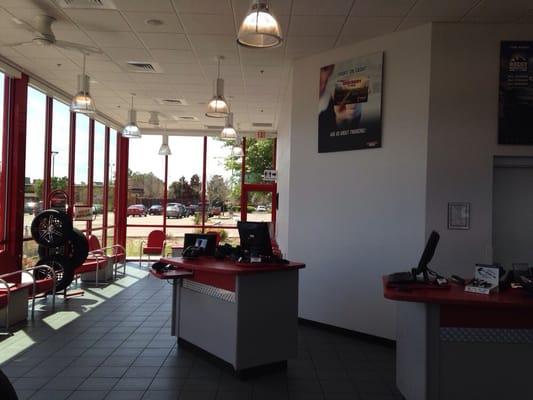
(453, 345)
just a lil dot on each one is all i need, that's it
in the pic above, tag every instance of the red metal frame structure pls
(4, 155)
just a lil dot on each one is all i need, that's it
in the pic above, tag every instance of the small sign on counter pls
(486, 280)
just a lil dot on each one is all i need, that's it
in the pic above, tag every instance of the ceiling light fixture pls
(164, 150)
(236, 151)
(229, 132)
(82, 102)
(259, 29)
(218, 107)
(131, 129)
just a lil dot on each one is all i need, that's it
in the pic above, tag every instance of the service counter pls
(457, 345)
(244, 314)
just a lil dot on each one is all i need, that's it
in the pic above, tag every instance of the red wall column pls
(15, 163)
(121, 200)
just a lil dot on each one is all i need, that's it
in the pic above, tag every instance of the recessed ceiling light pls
(154, 22)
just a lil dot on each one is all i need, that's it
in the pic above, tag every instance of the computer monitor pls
(255, 238)
(205, 241)
(427, 255)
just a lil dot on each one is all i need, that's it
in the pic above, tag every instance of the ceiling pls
(194, 32)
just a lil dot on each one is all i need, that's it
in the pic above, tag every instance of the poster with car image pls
(515, 113)
(349, 107)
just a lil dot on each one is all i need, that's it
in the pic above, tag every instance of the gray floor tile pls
(29, 383)
(185, 395)
(109, 372)
(133, 384)
(172, 384)
(160, 395)
(51, 395)
(98, 384)
(125, 395)
(63, 383)
(141, 372)
(88, 395)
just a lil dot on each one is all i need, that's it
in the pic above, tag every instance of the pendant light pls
(131, 129)
(259, 29)
(236, 151)
(229, 132)
(82, 102)
(218, 107)
(164, 150)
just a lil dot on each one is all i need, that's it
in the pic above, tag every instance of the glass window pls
(111, 186)
(185, 167)
(146, 181)
(2, 213)
(81, 165)
(60, 145)
(223, 170)
(259, 156)
(35, 149)
(98, 174)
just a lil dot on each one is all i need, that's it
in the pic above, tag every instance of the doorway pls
(513, 211)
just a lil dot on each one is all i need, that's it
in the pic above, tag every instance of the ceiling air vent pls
(144, 67)
(262, 125)
(84, 4)
(188, 118)
(219, 127)
(172, 102)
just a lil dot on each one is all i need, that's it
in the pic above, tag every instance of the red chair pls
(155, 245)
(99, 256)
(4, 302)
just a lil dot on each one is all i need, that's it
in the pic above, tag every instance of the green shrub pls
(250, 209)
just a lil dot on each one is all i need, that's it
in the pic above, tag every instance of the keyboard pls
(401, 277)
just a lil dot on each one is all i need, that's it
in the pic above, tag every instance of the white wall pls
(356, 215)
(463, 136)
(283, 166)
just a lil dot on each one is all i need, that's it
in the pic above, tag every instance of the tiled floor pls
(122, 349)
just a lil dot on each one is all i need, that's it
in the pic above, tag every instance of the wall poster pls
(349, 108)
(515, 112)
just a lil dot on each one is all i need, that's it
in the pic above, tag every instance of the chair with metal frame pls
(117, 256)
(155, 245)
(4, 303)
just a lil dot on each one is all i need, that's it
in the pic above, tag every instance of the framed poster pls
(515, 111)
(458, 215)
(349, 106)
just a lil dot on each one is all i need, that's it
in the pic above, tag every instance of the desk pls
(246, 315)
(457, 345)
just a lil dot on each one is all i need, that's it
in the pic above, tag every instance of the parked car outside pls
(29, 206)
(136, 210)
(191, 210)
(182, 210)
(261, 209)
(173, 211)
(98, 209)
(156, 209)
(38, 208)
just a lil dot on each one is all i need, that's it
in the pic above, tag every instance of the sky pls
(186, 158)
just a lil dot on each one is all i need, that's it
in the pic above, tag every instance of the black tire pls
(51, 228)
(76, 248)
(7, 391)
(63, 268)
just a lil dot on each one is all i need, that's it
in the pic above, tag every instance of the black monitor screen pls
(255, 238)
(428, 253)
(207, 242)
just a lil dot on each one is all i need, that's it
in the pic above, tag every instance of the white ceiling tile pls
(56, 65)
(411, 22)
(381, 8)
(499, 10)
(122, 54)
(183, 69)
(99, 20)
(138, 20)
(302, 25)
(213, 42)
(439, 8)
(77, 57)
(364, 28)
(14, 35)
(32, 4)
(203, 7)
(171, 41)
(173, 56)
(112, 77)
(273, 56)
(226, 71)
(309, 44)
(75, 36)
(263, 72)
(105, 66)
(209, 24)
(115, 39)
(8, 52)
(277, 7)
(28, 15)
(35, 51)
(144, 5)
(321, 7)
(210, 57)
(502, 18)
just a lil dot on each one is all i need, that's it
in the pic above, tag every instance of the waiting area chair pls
(100, 256)
(155, 246)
